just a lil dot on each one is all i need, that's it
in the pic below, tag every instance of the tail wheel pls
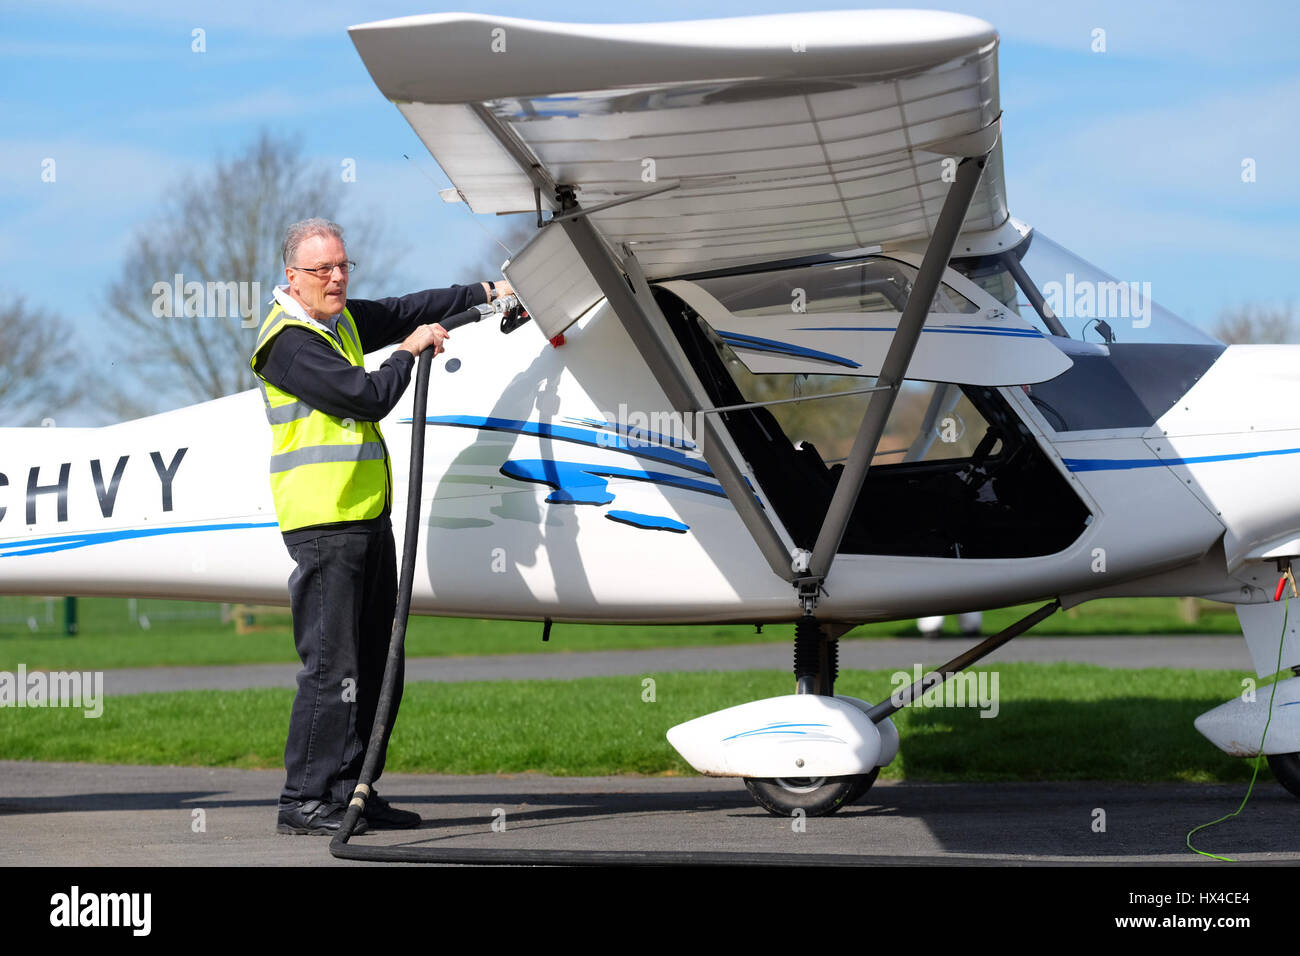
(1286, 767)
(815, 796)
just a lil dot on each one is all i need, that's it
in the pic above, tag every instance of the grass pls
(1055, 722)
(108, 639)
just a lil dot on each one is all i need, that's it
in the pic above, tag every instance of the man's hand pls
(503, 287)
(425, 336)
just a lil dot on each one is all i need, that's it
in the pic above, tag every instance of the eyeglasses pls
(324, 272)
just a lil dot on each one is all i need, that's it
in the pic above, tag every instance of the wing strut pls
(892, 372)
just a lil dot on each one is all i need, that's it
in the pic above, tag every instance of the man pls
(332, 484)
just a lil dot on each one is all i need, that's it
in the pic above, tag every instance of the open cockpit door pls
(840, 318)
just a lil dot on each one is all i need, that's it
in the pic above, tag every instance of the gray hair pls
(300, 231)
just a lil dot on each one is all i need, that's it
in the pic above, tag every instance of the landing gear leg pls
(816, 658)
(816, 666)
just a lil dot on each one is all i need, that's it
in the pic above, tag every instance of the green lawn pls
(1055, 722)
(108, 639)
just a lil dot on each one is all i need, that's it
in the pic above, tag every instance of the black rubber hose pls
(406, 582)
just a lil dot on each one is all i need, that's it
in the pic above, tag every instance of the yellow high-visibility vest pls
(324, 469)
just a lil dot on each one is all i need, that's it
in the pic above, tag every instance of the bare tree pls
(38, 366)
(1256, 325)
(194, 286)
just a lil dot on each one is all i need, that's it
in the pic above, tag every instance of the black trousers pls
(343, 594)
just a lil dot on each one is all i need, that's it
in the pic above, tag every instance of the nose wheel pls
(816, 665)
(815, 796)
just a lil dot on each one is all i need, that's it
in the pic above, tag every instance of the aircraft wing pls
(753, 139)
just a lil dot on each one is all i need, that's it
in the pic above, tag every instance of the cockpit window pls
(875, 284)
(990, 273)
(929, 421)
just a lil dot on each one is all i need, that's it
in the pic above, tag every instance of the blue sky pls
(1131, 157)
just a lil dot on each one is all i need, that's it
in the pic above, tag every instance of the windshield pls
(1068, 296)
(1132, 359)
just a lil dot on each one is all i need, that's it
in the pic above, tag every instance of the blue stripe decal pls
(737, 340)
(638, 435)
(1123, 464)
(950, 329)
(576, 483)
(649, 522)
(580, 483)
(581, 436)
(1029, 332)
(10, 549)
(773, 729)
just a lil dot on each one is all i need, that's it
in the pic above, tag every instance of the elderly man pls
(333, 488)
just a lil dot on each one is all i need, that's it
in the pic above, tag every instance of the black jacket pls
(303, 364)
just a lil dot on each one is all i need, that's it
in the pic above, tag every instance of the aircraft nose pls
(1234, 440)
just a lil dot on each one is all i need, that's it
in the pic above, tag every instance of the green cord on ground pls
(1286, 609)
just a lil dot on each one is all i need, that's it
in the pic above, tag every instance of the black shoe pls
(380, 813)
(315, 816)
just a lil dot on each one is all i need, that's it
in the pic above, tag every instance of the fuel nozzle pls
(512, 311)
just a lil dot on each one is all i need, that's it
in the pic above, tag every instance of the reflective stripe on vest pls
(370, 451)
(283, 413)
(324, 469)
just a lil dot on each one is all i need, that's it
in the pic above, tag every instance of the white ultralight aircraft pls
(791, 359)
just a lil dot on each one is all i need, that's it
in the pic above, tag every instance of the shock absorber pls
(816, 658)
